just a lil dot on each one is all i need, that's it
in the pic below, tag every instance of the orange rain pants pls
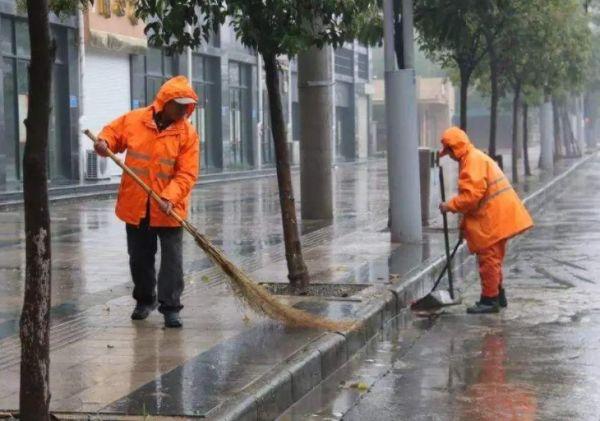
(490, 268)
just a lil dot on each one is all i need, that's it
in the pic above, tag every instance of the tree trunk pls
(34, 399)
(493, 103)
(526, 139)
(298, 273)
(568, 136)
(558, 152)
(464, 91)
(515, 134)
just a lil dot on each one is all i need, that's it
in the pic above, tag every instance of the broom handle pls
(145, 186)
(446, 236)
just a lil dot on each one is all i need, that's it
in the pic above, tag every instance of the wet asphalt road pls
(537, 360)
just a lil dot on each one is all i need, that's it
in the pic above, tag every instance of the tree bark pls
(515, 134)
(297, 271)
(558, 152)
(571, 146)
(526, 139)
(464, 91)
(34, 399)
(493, 102)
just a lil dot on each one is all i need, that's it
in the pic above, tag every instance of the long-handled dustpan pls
(441, 298)
(248, 291)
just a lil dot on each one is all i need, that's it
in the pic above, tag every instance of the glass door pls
(10, 146)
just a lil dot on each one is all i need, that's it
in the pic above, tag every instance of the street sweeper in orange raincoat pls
(162, 149)
(491, 210)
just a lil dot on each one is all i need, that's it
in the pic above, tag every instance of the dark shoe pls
(502, 302)
(172, 319)
(502, 298)
(142, 311)
(485, 306)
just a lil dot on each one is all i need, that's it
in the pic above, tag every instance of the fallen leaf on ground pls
(362, 386)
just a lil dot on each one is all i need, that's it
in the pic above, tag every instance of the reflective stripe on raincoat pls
(492, 210)
(168, 161)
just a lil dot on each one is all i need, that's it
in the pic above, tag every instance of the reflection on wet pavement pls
(115, 365)
(536, 360)
(90, 264)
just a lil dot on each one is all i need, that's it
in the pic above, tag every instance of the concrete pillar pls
(316, 118)
(401, 122)
(546, 136)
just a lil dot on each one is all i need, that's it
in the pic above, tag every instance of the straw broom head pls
(260, 300)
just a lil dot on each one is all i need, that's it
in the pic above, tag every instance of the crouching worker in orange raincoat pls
(163, 150)
(491, 214)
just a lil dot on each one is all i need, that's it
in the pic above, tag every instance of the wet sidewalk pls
(104, 363)
(535, 360)
(100, 358)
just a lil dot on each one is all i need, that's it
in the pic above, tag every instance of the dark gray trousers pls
(142, 242)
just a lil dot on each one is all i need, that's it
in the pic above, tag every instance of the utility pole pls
(315, 80)
(401, 125)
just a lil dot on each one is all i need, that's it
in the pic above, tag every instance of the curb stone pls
(269, 396)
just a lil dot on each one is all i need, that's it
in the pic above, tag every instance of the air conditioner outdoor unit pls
(95, 166)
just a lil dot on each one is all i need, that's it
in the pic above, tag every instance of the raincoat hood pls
(176, 87)
(457, 140)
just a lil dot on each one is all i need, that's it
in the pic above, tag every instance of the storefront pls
(240, 115)
(16, 52)
(206, 82)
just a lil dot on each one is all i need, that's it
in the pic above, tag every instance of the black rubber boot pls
(486, 305)
(142, 311)
(502, 302)
(172, 319)
(502, 298)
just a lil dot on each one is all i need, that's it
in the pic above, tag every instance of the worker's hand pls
(444, 207)
(101, 147)
(165, 206)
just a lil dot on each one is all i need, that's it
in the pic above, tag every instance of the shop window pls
(22, 39)
(295, 121)
(6, 36)
(363, 66)
(240, 115)
(344, 61)
(15, 55)
(206, 117)
(148, 73)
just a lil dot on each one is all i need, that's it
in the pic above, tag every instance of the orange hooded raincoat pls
(168, 161)
(491, 209)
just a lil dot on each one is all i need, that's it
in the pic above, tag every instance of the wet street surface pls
(537, 360)
(102, 361)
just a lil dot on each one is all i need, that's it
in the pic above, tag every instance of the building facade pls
(63, 152)
(104, 68)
